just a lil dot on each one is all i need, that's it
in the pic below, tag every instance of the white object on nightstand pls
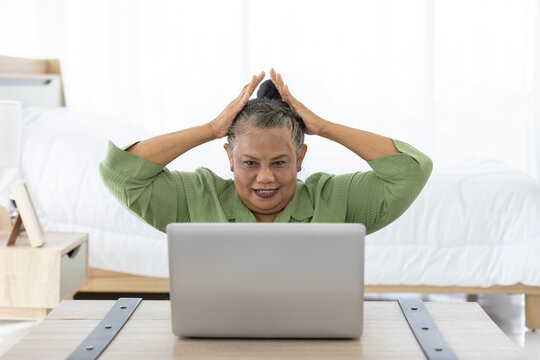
(10, 119)
(10, 115)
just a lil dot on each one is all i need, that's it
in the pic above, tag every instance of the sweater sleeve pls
(148, 190)
(378, 197)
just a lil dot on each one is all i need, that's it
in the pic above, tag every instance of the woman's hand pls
(313, 122)
(220, 125)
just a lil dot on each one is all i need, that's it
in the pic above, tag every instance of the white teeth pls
(265, 191)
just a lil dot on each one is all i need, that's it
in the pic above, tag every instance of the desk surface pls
(465, 326)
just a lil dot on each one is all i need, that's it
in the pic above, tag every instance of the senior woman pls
(265, 150)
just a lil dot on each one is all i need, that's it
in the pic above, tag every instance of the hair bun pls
(268, 90)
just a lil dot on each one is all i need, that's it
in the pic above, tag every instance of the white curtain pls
(458, 76)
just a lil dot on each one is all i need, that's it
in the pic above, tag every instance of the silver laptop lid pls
(266, 280)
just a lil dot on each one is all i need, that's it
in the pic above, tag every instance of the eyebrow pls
(275, 158)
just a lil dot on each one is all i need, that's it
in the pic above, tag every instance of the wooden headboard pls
(34, 82)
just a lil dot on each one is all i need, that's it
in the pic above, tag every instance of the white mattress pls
(477, 222)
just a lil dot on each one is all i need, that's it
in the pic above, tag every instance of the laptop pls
(266, 280)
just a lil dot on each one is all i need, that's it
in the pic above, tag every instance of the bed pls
(474, 229)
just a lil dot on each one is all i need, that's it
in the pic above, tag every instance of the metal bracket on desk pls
(106, 330)
(427, 334)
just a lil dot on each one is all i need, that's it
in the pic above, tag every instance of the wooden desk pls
(147, 335)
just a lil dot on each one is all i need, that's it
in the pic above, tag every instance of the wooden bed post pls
(532, 311)
(53, 67)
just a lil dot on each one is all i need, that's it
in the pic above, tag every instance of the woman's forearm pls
(165, 148)
(368, 146)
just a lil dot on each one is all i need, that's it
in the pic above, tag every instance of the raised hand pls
(313, 122)
(220, 125)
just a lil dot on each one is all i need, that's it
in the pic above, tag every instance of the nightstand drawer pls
(73, 269)
(34, 280)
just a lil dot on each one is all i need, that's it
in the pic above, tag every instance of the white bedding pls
(477, 222)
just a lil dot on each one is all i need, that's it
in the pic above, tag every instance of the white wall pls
(445, 76)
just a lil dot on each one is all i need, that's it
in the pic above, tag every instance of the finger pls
(249, 88)
(272, 74)
(273, 77)
(283, 89)
(286, 91)
(245, 87)
(242, 97)
(258, 80)
(280, 86)
(280, 81)
(246, 91)
(253, 85)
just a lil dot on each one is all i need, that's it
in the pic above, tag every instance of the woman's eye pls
(279, 163)
(250, 163)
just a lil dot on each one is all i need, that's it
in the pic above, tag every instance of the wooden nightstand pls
(34, 280)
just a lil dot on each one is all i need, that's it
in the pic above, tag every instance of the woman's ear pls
(300, 158)
(230, 155)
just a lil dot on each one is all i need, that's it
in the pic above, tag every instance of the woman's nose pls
(265, 175)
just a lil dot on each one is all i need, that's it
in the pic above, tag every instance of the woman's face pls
(265, 163)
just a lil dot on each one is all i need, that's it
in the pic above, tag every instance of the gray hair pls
(267, 112)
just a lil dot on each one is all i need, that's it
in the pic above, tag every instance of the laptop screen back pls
(266, 280)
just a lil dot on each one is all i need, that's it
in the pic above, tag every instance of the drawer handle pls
(72, 253)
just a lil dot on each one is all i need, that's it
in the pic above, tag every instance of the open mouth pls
(266, 193)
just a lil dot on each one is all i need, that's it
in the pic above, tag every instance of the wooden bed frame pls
(46, 72)
(114, 282)
(110, 281)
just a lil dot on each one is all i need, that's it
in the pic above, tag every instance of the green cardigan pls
(374, 198)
